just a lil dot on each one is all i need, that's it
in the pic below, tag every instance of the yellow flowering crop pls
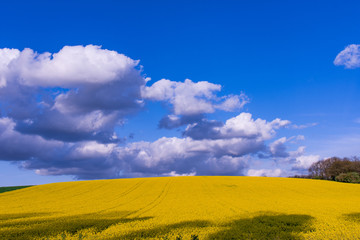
(183, 208)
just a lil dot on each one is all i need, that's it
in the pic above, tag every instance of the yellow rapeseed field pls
(183, 208)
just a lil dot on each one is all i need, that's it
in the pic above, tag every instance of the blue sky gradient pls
(279, 53)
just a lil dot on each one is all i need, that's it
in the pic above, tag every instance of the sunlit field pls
(183, 208)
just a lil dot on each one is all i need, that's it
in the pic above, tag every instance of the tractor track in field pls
(123, 194)
(221, 202)
(128, 191)
(156, 202)
(213, 197)
(80, 193)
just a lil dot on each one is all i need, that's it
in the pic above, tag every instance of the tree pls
(350, 177)
(332, 167)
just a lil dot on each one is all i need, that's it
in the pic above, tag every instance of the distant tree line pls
(335, 169)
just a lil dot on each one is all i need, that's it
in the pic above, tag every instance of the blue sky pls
(280, 54)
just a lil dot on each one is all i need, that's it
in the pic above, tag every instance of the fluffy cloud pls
(15, 146)
(349, 57)
(241, 126)
(265, 172)
(71, 66)
(304, 162)
(79, 93)
(174, 121)
(185, 155)
(278, 148)
(190, 100)
(174, 174)
(95, 125)
(6, 56)
(84, 160)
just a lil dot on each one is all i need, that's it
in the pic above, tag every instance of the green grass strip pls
(7, 189)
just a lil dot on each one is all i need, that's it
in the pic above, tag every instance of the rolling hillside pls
(183, 208)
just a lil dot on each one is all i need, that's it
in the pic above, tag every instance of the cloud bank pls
(59, 113)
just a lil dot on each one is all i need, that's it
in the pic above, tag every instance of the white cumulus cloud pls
(349, 57)
(241, 126)
(193, 98)
(79, 93)
(264, 172)
(305, 161)
(71, 66)
(6, 57)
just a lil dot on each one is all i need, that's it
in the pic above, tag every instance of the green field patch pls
(7, 189)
